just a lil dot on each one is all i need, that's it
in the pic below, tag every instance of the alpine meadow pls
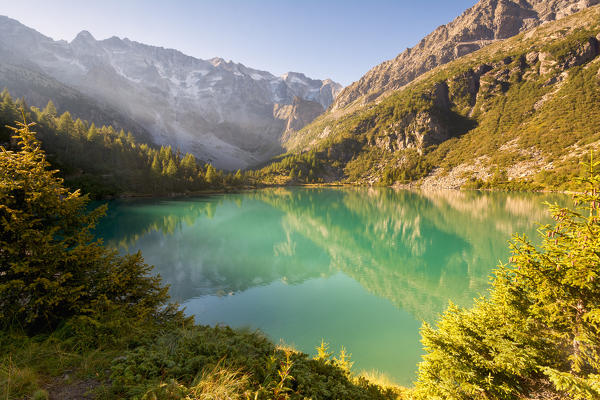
(178, 227)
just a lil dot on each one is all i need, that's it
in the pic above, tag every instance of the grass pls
(15, 382)
(30, 365)
(194, 362)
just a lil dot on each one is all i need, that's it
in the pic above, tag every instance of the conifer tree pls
(65, 123)
(188, 165)
(51, 267)
(238, 178)
(92, 134)
(156, 167)
(171, 169)
(211, 176)
(539, 329)
(50, 109)
(80, 128)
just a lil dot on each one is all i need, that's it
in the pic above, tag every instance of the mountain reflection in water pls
(302, 264)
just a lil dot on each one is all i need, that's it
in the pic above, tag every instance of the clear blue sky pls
(338, 39)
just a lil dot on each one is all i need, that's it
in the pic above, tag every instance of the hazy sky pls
(338, 39)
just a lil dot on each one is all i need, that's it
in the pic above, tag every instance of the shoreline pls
(403, 186)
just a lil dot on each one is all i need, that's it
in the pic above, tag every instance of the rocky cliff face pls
(297, 115)
(522, 111)
(482, 24)
(220, 111)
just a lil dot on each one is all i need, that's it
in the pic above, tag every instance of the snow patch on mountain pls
(219, 110)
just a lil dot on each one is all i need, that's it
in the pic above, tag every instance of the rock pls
(297, 115)
(440, 95)
(462, 49)
(584, 53)
(547, 62)
(414, 131)
(482, 69)
(484, 23)
(424, 131)
(386, 142)
(220, 111)
(531, 58)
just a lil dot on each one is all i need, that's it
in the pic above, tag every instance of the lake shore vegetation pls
(77, 318)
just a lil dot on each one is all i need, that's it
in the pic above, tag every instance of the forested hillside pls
(105, 162)
(519, 113)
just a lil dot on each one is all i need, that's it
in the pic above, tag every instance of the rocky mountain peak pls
(290, 76)
(116, 41)
(84, 36)
(219, 110)
(218, 61)
(485, 22)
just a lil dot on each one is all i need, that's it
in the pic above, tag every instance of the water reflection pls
(360, 267)
(415, 249)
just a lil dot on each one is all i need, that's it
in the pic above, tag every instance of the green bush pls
(538, 332)
(186, 359)
(51, 268)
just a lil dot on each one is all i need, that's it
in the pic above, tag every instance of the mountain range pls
(519, 112)
(484, 23)
(222, 112)
(480, 86)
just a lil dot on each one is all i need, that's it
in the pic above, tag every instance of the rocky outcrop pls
(586, 52)
(482, 24)
(470, 91)
(297, 115)
(416, 131)
(219, 110)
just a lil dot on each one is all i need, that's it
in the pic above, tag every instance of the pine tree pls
(560, 286)
(80, 128)
(156, 167)
(238, 178)
(51, 267)
(539, 329)
(92, 134)
(50, 109)
(171, 169)
(188, 165)
(66, 124)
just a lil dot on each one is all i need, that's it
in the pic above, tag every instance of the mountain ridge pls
(221, 111)
(485, 22)
(520, 113)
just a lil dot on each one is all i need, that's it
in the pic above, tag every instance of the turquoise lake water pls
(359, 267)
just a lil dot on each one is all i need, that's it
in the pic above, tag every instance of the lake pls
(356, 267)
